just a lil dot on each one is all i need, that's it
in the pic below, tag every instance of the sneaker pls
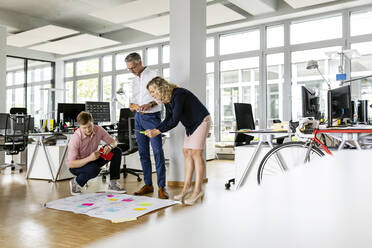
(116, 188)
(75, 188)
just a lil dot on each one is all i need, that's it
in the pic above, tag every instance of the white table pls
(46, 156)
(264, 136)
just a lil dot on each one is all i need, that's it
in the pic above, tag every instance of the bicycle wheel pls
(285, 157)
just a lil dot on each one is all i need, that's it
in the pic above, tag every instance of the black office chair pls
(15, 110)
(244, 120)
(126, 142)
(14, 131)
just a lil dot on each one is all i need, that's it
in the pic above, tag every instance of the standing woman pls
(183, 106)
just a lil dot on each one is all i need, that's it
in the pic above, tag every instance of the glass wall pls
(34, 91)
(266, 69)
(239, 83)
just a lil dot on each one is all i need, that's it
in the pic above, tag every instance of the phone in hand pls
(106, 157)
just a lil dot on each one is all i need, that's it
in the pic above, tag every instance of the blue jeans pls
(93, 168)
(143, 122)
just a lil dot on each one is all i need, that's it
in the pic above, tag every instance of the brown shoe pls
(163, 194)
(146, 189)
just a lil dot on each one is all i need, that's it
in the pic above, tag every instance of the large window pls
(242, 56)
(239, 83)
(275, 94)
(240, 42)
(34, 91)
(310, 78)
(360, 23)
(316, 30)
(362, 67)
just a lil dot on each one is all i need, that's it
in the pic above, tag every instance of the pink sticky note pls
(127, 200)
(87, 204)
(110, 195)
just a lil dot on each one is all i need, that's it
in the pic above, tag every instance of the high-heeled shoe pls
(192, 201)
(181, 196)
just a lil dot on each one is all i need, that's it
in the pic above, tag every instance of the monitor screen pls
(69, 111)
(310, 103)
(339, 103)
(100, 111)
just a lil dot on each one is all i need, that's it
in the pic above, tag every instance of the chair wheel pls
(227, 185)
(139, 179)
(13, 168)
(20, 170)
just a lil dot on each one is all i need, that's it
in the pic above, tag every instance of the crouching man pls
(85, 161)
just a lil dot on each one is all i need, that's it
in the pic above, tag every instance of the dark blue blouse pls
(186, 108)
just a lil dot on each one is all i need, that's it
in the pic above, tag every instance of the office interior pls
(288, 59)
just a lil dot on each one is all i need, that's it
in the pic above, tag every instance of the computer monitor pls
(310, 103)
(339, 104)
(100, 111)
(69, 111)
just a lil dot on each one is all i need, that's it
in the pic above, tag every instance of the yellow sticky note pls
(112, 199)
(139, 209)
(146, 204)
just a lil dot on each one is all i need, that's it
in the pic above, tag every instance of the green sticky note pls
(146, 204)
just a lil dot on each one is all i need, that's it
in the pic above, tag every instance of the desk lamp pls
(313, 64)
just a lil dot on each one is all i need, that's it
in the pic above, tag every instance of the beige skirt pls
(196, 140)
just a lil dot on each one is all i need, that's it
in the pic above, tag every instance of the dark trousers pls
(143, 122)
(93, 168)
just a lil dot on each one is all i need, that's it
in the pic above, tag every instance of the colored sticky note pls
(112, 210)
(82, 206)
(110, 195)
(127, 200)
(139, 209)
(87, 204)
(113, 199)
(146, 204)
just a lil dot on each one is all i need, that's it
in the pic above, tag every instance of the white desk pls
(264, 136)
(48, 167)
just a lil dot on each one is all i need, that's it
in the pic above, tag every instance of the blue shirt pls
(186, 108)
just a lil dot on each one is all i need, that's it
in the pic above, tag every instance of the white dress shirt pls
(140, 95)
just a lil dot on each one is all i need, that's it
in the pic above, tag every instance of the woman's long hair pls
(163, 88)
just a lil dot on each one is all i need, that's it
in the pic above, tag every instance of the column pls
(3, 35)
(187, 67)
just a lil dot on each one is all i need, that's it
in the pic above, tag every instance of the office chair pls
(126, 142)
(244, 120)
(13, 136)
(14, 111)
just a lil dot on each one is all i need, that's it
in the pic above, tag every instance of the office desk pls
(264, 136)
(59, 155)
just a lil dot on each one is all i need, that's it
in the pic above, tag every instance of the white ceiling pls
(38, 35)
(216, 14)
(305, 3)
(126, 21)
(132, 10)
(75, 44)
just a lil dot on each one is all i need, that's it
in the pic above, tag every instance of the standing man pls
(147, 117)
(84, 160)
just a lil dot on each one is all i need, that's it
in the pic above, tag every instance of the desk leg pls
(47, 158)
(33, 159)
(62, 161)
(251, 161)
